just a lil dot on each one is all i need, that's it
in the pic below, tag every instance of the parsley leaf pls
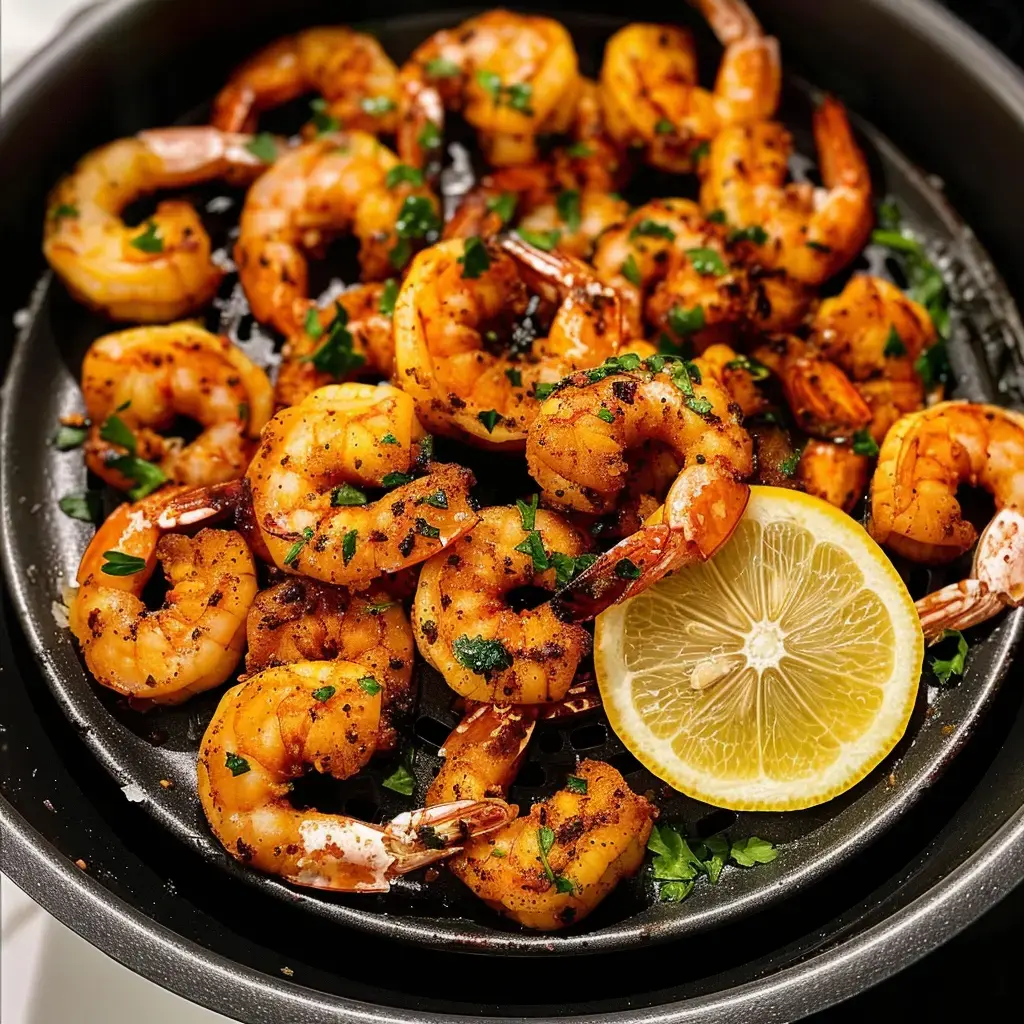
(627, 569)
(370, 685)
(402, 780)
(441, 68)
(684, 322)
(674, 860)
(864, 443)
(528, 513)
(116, 431)
(534, 547)
(489, 418)
(312, 325)
(515, 377)
(323, 121)
(606, 414)
(706, 262)
(663, 126)
(388, 297)
(818, 246)
(490, 82)
(932, 365)
(335, 355)
(545, 841)
(147, 476)
(293, 552)
(389, 438)
(748, 852)
(68, 438)
(630, 271)
(716, 217)
(754, 233)
(430, 136)
(894, 346)
(756, 369)
(567, 203)
(263, 147)
(150, 240)
(788, 466)
(474, 259)
(517, 96)
(396, 479)
(545, 240)
(235, 764)
(401, 173)
(568, 568)
(324, 694)
(481, 656)
(62, 211)
(86, 506)
(417, 218)
(503, 205)
(945, 668)
(345, 495)
(377, 106)
(700, 151)
(579, 150)
(119, 564)
(648, 228)
(424, 529)
(438, 499)
(575, 784)
(348, 546)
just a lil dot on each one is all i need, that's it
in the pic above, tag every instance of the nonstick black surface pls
(141, 749)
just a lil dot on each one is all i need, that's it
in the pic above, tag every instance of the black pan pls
(40, 544)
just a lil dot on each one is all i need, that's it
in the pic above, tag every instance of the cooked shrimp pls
(513, 76)
(341, 182)
(365, 339)
(264, 734)
(833, 472)
(809, 233)
(302, 620)
(453, 321)
(551, 868)
(465, 628)
(349, 70)
(190, 644)
(306, 477)
(651, 97)
(158, 271)
(925, 458)
(147, 376)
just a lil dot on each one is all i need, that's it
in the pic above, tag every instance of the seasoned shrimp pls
(465, 627)
(925, 458)
(306, 476)
(551, 868)
(651, 97)
(302, 620)
(454, 313)
(513, 76)
(190, 644)
(341, 182)
(158, 271)
(264, 734)
(362, 333)
(147, 376)
(833, 472)
(809, 233)
(350, 71)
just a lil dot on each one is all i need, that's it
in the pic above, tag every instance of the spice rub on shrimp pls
(157, 271)
(307, 481)
(190, 644)
(341, 182)
(355, 78)
(465, 627)
(303, 620)
(136, 382)
(457, 352)
(512, 76)
(549, 869)
(266, 732)
(649, 82)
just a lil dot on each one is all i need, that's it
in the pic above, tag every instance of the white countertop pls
(48, 975)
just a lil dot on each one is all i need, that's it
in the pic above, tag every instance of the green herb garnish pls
(648, 228)
(377, 106)
(567, 203)
(481, 656)
(323, 121)
(567, 568)
(335, 355)
(388, 297)
(533, 546)
(68, 438)
(864, 443)
(475, 259)
(117, 563)
(150, 240)
(86, 506)
(894, 347)
(324, 694)
(515, 377)
(684, 322)
(945, 668)
(403, 173)
(630, 271)
(706, 262)
(489, 418)
(370, 685)
(263, 147)
(348, 546)
(503, 205)
(345, 494)
(606, 414)
(293, 552)
(575, 784)
(545, 240)
(756, 369)
(235, 764)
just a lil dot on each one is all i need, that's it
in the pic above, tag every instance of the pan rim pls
(1005, 86)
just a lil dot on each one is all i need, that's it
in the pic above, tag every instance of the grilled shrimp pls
(350, 71)
(340, 182)
(358, 324)
(651, 97)
(833, 472)
(551, 868)
(306, 476)
(513, 76)
(264, 734)
(454, 313)
(808, 233)
(157, 271)
(303, 620)
(147, 376)
(465, 628)
(190, 644)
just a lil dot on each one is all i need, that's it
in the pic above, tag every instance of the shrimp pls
(456, 308)
(143, 378)
(341, 182)
(305, 482)
(350, 71)
(262, 736)
(362, 332)
(190, 644)
(833, 472)
(161, 270)
(465, 627)
(808, 233)
(302, 620)
(924, 459)
(513, 76)
(651, 97)
(551, 868)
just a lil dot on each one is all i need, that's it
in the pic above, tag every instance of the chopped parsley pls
(481, 656)
(630, 271)
(575, 784)
(86, 506)
(396, 479)
(748, 852)
(377, 106)
(627, 569)
(788, 466)
(756, 369)
(545, 240)
(403, 174)
(475, 259)
(579, 150)
(663, 126)
(379, 608)
(424, 529)
(517, 95)
(864, 443)
(348, 546)
(684, 376)
(819, 247)
(648, 228)
(430, 136)
(489, 418)
(263, 147)
(243, 412)
(117, 563)
(684, 322)
(312, 325)
(945, 668)
(147, 475)
(894, 347)
(606, 414)
(293, 552)
(389, 438)
(323, 121)
(533, 546)
(62, 211)
(388, 297)
(68, 438)
(324, 694)
(503, 205)
(567, 203)
(335, 355)
(706, 262)
(716, 217)
(441, 68)
(528, 513)
(345, 494)
(150, 240)
(545, 841)
(754, 233)
(402, 780)
(567, 568)
(515, 377)
(116, 431)
(235, 764)
(701, 150)
(370, 685)
(417, 218)
(436, 499)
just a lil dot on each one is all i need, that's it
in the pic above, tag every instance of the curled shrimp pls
(465, 627)
(365, 337)
(303, 620)
(453, 321)
(340, 182)
(549, 869)
(925, 457)
(350, 71)
(807, 232)
(649, 81)
(148, 376)
(264, 734)
(513, 76)
(306, 480)
(190, 644)
(157, 271)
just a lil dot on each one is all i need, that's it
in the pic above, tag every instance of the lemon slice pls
(774, 676)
